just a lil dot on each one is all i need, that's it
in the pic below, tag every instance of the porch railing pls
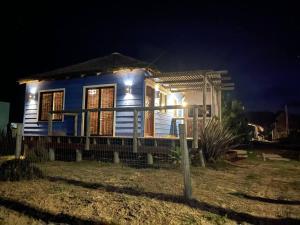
(86, 113)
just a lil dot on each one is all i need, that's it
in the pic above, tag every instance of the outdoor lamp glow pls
(128, 89)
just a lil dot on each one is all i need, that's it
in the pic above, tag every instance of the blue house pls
(117, 81)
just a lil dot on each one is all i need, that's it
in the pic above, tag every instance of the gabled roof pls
(104, 64)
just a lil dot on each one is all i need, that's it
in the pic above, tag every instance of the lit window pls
(51, 101)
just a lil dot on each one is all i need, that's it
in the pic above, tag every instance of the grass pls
(97, 193)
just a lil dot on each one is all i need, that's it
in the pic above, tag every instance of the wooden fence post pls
(195, 128)
(135, 131)
(185, 162)
(19, 140)
(88, 131)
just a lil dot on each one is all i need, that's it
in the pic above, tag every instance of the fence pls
(134, 151)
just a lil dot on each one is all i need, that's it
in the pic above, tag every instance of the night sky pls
(258, 44)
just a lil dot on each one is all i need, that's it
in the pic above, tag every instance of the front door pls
(149, 115)
(101, 123)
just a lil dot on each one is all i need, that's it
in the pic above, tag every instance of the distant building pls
(285, 124)
(4, 115)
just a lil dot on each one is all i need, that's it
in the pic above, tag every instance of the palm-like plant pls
(216, 140)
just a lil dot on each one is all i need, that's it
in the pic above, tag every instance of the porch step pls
(274, 157)
(241, 153)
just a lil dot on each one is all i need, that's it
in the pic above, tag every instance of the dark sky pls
(257, 43)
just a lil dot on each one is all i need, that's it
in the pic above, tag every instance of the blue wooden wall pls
(73, 101)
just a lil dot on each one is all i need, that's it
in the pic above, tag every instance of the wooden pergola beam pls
(190, 80)
(189, 73)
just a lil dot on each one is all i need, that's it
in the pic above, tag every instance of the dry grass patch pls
(97, 192)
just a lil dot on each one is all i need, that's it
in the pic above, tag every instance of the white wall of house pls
(196, 98)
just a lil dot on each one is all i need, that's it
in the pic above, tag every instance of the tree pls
(234, 117)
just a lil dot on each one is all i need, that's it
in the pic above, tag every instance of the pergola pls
(196, 80)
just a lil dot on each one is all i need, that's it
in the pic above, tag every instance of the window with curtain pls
(51, 101)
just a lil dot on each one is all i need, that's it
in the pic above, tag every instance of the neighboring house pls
(116, 81)
(4, 115)
(285, 124)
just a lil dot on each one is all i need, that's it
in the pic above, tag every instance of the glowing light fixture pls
(128, 89)
(33, 90)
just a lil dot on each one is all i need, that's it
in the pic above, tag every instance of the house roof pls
(104, 64)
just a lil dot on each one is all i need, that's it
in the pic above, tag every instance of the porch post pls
(212, 101)
(135, 130)
(219, 99)
(195, 128)
(88, 131)
(75, 124)
(204, 100)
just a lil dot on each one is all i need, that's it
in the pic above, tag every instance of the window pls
(208, 111)
(162, 101)
(51, 101)
(101, 123)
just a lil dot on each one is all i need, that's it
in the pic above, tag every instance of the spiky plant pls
(175, 155)
(215, 140)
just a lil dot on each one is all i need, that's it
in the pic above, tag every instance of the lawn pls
(250, 191)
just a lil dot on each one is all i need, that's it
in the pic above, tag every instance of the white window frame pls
(39, 99)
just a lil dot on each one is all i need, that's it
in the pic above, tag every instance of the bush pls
(175, 155)
(37, 153)
(17, 169)
(216, 140)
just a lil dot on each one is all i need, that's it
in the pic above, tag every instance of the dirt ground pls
(250, 191)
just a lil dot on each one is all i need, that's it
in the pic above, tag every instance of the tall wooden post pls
(204, 100)
(19, 140)
(195, 128)
(185, 162)
(135, 130)
(88, 131)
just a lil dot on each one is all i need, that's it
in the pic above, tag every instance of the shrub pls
(37, 153)
(215, 140)
(17, 169)
(175, 155)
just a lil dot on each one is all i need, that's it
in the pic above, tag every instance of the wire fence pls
(154, 140)
(151, 152)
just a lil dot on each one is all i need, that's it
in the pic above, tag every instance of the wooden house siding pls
(73, 100)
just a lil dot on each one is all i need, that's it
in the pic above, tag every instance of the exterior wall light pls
(128, 89)
(31, 97)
